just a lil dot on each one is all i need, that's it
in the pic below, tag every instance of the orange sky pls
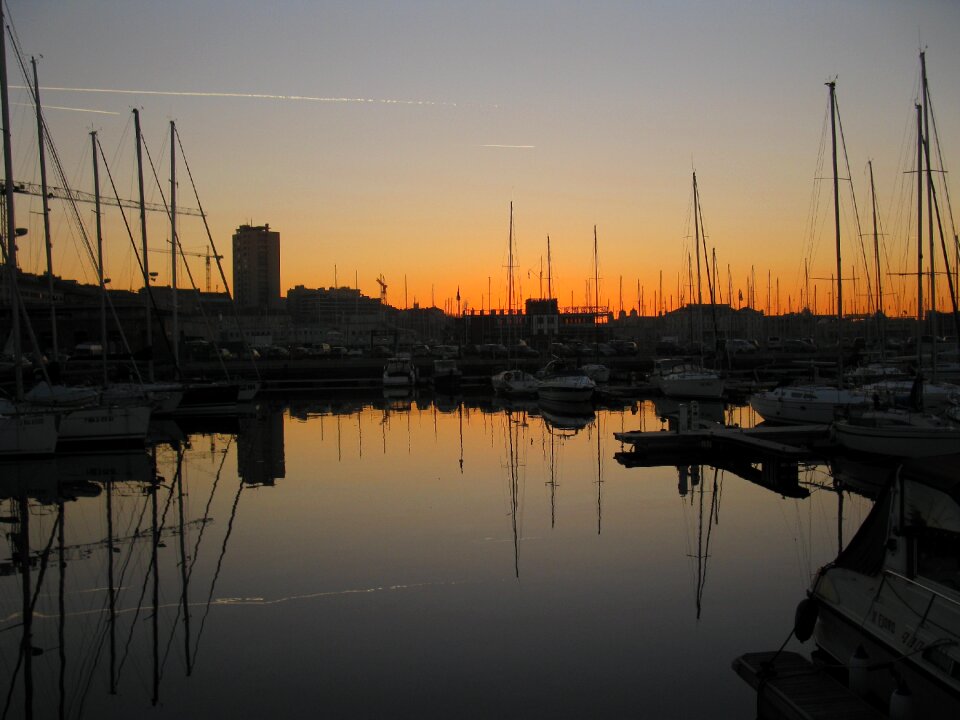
(391, 139)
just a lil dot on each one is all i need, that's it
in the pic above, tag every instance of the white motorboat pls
(596, 372)
(399, 372)
(515, 383)
(680, 378)
(888, 608)
(446, 373)
(897, 433)
(807, 404)
(692, 383)
(569, 387)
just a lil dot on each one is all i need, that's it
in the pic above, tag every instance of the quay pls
(798, 442)
(778, 451)
(789, 687)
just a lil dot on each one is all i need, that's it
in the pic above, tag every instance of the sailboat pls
(84, 417)
(689, 380)
(513, 382)
(909, 432)
(596, 371)
(898, 433)
(196, 398)
(23, 431)
(816, 404)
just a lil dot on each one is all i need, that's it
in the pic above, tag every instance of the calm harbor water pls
(402, 558)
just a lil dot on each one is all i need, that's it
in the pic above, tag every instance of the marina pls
(532, 495)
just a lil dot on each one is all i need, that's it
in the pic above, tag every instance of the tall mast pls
(596, 295)
(933, 255)
(143, 241)
(103, 287)
(836, 221)
(510, 264)
(11, 230)
(46, 210)
(596, 273)
(919, 234)
(876, 239)
(173, 245)
(696, 230)
(876, 254)
(549, 271)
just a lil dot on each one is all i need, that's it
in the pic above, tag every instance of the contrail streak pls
(60, 107)
(511, 147)
(255, 96)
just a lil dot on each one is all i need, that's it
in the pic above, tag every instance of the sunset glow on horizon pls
(391, 138)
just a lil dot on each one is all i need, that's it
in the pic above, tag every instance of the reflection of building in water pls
(260, 455)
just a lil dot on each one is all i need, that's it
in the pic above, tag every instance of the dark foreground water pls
(401, 559)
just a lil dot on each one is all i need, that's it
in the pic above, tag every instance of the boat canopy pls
(866, 552)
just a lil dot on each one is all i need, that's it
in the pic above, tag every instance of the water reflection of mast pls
(111, 591)
(552, 482)
(216, 573)
(460, 414)
(183, 577)
(513, 447)
(61, 606)
(26, 641)
(599, 476)
(156, 589)
(703, 548)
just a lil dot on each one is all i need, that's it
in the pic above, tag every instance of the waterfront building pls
(256, 267)
(543, 318)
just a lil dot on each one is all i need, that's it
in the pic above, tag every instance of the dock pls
(797, 442)
(793, 688)
(768, 456)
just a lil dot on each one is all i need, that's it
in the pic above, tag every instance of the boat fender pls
(901, 703)
(805, 618)
(858, 668)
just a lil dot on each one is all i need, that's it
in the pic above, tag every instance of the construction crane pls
(26, 188)
(382, 282)
(207, 256)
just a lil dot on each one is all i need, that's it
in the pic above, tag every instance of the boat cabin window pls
(938, 555)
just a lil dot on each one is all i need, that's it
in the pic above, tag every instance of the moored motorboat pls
(515, 383)
(570, 386)
(692, 383)
(888, 608)
(399, 372)
(446, 374)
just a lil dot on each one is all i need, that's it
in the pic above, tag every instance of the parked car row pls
(204, 350)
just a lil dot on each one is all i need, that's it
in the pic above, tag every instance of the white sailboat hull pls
(806, 405)
(27, 434)
(108, 424)
(917, 440)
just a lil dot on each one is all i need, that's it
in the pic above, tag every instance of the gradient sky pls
(580, 113)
